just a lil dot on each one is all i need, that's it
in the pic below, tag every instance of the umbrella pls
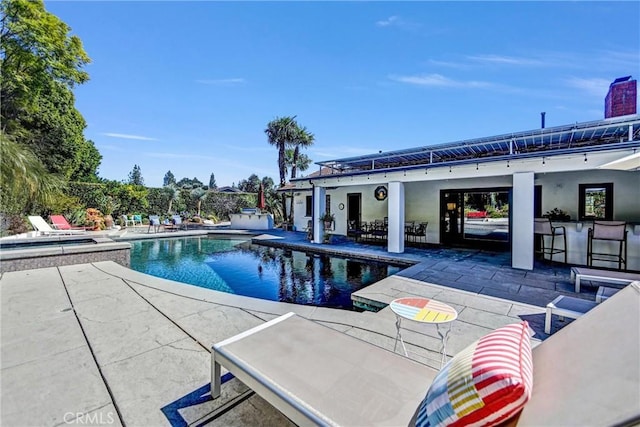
(261, 203)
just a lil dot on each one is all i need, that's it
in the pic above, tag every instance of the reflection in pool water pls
(236, 266)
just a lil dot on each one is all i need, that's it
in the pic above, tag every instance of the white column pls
(319, 201)
(395, 206)
(522, 221)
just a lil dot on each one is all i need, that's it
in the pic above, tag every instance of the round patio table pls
(424, 310)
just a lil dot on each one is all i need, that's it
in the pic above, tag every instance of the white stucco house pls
(486, 191)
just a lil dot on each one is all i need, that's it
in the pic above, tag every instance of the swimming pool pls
(237, 266)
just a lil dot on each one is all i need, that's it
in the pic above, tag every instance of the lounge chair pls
(598, 275)
(60, 223)
(154, 221)
(585, 374)
(42, 227)
(177, 222)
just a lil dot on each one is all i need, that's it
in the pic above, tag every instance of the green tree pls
(41, 63)
(267, 183)
(198, 194)
(250, 185)
(25, 184)
(304, 139)
(173, 193)
(281, 132)
(135, 176)
(169, 179)
(88, 159)
(189, 183)
(296, 160)
(212, 182)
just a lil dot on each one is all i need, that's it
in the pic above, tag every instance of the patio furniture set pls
(377, 231)
(600, 235)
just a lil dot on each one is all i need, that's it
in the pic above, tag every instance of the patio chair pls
(585, 374)
(126, 221)
(544, 228)
(177, 222)
(42, 227)
(154, 222)
(356, 230)
(611, 232)
(59, 222)
(137, 219)
(309, 230)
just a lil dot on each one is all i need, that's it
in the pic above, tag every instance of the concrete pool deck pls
(98, 343)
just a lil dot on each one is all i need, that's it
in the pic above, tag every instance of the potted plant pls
(557, 215)
(328, 219)
(107, 206)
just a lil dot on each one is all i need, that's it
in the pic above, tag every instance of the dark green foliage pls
(135, 176)
(25, 184)
(250, 185)
(41, 63)
(212, 182)
(220, 205)
(169, 179)
(189, 183)
(129, 198)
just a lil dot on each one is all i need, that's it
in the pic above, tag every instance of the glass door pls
(475, 217)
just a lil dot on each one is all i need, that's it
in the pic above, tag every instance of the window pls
(595, 201)
(309, 207)
(309, 210)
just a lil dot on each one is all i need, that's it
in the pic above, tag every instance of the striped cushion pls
(483, 385)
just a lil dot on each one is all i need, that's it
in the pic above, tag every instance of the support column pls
(319, 202)
(522, 254)
(395, 229)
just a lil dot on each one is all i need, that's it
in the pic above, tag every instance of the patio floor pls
(99, 343)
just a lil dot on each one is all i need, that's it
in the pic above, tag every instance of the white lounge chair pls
(585, 374)
(598, 275)
(42, 227)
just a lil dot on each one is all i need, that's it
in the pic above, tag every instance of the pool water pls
(239, 267)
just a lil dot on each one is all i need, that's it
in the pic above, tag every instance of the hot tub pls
(40, 252)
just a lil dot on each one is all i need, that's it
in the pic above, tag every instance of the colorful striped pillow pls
(483, 385)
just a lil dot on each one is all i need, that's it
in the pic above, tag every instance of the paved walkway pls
(102, 344)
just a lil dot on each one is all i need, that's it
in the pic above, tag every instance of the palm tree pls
(297, 160)
(281, 132)
(304, 139)
(199, 194)
(24, 180)
(301, 163)
(174, 194)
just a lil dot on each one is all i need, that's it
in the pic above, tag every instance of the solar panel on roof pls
(557, 138)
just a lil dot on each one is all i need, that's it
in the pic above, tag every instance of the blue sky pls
(190, 86)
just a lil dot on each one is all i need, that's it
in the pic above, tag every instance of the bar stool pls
(611, 231)
(543, 227)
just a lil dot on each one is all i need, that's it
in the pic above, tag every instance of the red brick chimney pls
(622, 97)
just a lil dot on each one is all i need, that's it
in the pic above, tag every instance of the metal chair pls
(542, 227)
(608, 231)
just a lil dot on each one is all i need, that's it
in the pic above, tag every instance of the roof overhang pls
(626, 163)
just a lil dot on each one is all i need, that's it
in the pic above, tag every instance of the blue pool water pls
(236, 266)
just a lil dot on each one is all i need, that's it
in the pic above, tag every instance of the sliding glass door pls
(475, 217)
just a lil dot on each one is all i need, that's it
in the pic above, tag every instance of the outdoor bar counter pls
(252, 220)
(577, 239)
